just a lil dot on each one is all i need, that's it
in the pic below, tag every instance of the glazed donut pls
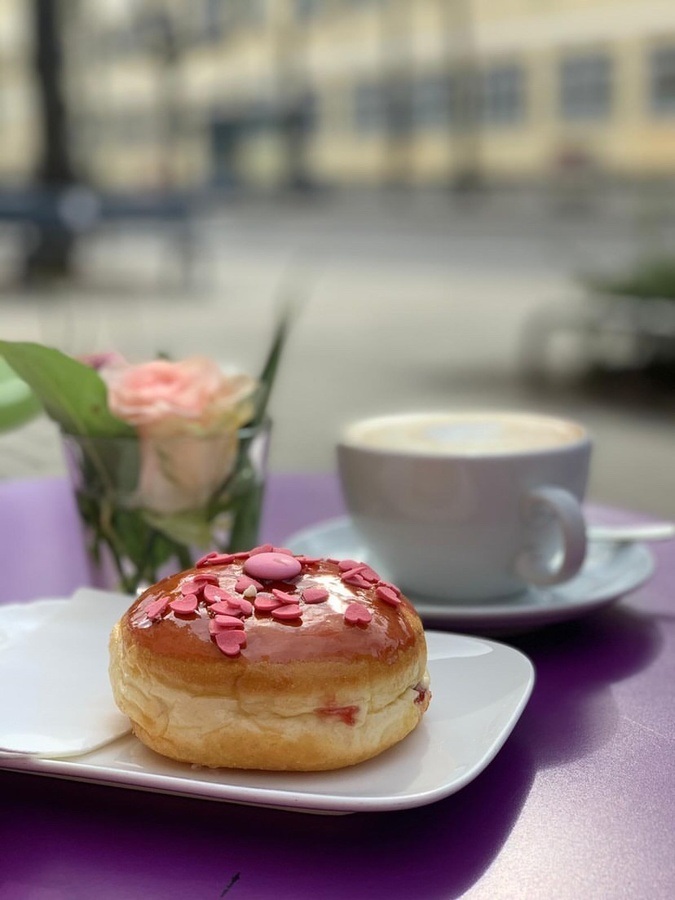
(268, 660)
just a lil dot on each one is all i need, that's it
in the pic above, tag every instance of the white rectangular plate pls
(479, 689)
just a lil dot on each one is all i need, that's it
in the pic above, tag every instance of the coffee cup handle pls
(540, 563)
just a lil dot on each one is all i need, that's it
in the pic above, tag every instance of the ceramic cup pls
(468, 506)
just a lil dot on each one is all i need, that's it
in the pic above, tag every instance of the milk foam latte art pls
(464, 433)
(468, 506)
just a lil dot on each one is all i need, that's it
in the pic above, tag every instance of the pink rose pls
(175, 397)
(187, 415)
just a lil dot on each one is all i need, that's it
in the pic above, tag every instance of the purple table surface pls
(579, 803)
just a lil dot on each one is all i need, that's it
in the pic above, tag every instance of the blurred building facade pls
(268, 93)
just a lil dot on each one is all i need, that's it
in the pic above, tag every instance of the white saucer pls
(459, 736)
(610, 571)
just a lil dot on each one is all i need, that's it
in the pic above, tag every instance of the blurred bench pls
(608, 331)
(81, 211)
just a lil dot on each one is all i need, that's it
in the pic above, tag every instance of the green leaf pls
(71, 393)
(17, 404)
(291, 308)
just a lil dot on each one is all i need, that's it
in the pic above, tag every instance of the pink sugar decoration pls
(266, 603)
(224, 608)
(284, 597)
(185, 605)
(205, 578)
(315, 595)
(387, 595)
(272, 566)
(190, 587)
(244, 582)
(369, 574)
(230, 642)
(355, 570)
(283, 550)
(355, 579)
(156, 608)
(215, 594)
(263, 548)
(308, 560)
(224, 623)
(287, 611)
(206, 560)
(244, 606)
(344, 565)
(357, 614)
(392, 587)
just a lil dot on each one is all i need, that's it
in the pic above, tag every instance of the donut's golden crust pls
(312, 694)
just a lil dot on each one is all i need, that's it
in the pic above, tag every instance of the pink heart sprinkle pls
(263, 548)
(185, 605)
(215, 594)
(225, 623)
(356, 580)
(190, 587)
(369, 574)
(357, 614)
(215, 559)
(206, 559)
(386, 594)
(206, 578)
(285, 597)
(224, 608)
(156, 608)
(315, 595)
(244, 582)
(244, 606)
(287, 611)
(230, 642)
(308, 560)
(357, 569)
(283, 550)
(392, 587)
(344, 565)
(266, 603)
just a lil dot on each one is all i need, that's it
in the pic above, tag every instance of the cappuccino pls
(468, 506)
(463, 434)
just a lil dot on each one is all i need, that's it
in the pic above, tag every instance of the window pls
(586, 86)
(433, 101)
(662, 80)
(306, 9)
(502, 95)
(370, 113)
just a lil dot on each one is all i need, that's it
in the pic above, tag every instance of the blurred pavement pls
(407, 307)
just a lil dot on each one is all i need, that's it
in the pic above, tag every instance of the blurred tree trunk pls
(49, 253)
